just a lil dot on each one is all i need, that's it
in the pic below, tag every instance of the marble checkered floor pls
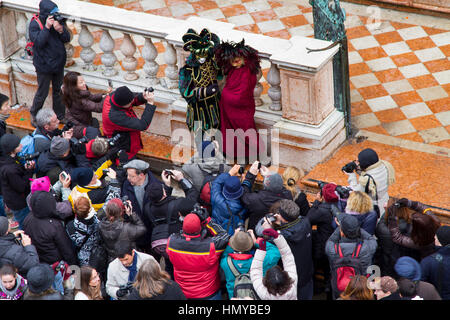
(399, 67)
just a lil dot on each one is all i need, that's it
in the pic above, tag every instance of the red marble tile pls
(399, 25)
(164, 12)
(356, 69)
(357, 32)
(424, 81)
(104, 2)
(426, 122)
(372, 53)
(413, 136)
(372, 92)
(204, 5)
(437, 65)
(234, 10)
(275, 4)
(445, 50)
(172, 2)
(389, 75)
(253, 28)
(132, 6)
(432, 31)
(388, 37)
(420, 43)
(377, 129)
(360, 107)
(444, 143)
(283, 34)
(405, 59)
(265, 15)
(294, 21)
(439, 105)
(406, 98)
(390, 115)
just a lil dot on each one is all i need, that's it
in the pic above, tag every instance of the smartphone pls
(169, 173)
(105, 171)
(110, 84)
(64, 175)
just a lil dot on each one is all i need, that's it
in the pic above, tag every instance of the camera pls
(30, 156)
(124, 200)
(200, 211)
(169, 172)
(124, 290)
(150, 89)
(241, 226)
(114, 140)
(64, 175)
(58, 17)
(69, 125)
(270, 217)
(83, 140)
(241, 170)
(343, 192)
(350, 167)
(18, 239)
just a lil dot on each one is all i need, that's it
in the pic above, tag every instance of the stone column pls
(273, 78)
(87, 54)
(108, 58)
(69, 50)
(258, 90)
(129, 63)
(171, 71)
(21, 28)
(149, 53)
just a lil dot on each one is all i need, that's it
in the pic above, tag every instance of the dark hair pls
(407, 288)
(123, 248)
(401, 213)
(227, 51)
(8, 269)
(424, 228)
(277, 281)
(288, 207)
(71, 94)
(85, 279)
(113, 211)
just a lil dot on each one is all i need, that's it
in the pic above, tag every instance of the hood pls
(110, 231)
(45, 7)
(298, 231)
(43, 205)
(6, 159)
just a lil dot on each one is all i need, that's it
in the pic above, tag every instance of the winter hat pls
(137, 164)
(155, 192)
(40, 184)
(191, 224)
(273, 182)
(349, 225)
(40, 278)
(211, 150)
(185, 206)
(241, 241)
(329, 194)
(388, 284)
(408, 267)
(59, 146)
(9, 142)
(122, 96)
(367, 157)
(118, 203)
(43, 204)
(4, 225)
(82, 176)
(443, 235)
(232, 188)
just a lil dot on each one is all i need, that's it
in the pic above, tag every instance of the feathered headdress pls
(200, 44)
(227, 51)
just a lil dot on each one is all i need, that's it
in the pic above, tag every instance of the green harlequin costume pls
(198, 80)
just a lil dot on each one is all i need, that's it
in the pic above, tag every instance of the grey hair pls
(290, 208)
(43, 117)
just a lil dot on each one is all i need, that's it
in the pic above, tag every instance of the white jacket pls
(118, 274)
(256, 271)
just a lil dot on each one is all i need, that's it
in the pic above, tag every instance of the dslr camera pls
(114, 140)
(58, 17)
(200, 211)
(69, 125)
(350, 167)
(124, 200)
(30, 156)
(124, 290)
(343, 192)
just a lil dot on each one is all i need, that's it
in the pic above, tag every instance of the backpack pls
(243, 285)
(205, 191)
(160, 232)
(27, 143)
(344, 268)
(30, 44)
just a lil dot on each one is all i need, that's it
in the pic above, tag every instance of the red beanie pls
(328, 192)
(117, 202)
(191, 224)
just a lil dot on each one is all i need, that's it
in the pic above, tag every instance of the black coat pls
(15, 181)
(172, 291)
(49, 53)
(47, 161)
(47, 232)
(23, 258)
(258, 203)
(320, 215)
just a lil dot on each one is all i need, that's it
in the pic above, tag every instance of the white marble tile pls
(429, 54)
(365, 120)
(257, 5)
(227, 3)
(395, 48)
(364, 42)
(355, 96)
(364, 80)
(416, 110)
(152, 4)
(441, 39)
(287, 11)
(442, 77)
(412, 33)
(381, 103)
(432, 93)
(241, 20)
(381, 64)
(271, 25)
(443, 117)
(434, 135)
(181, 8)
(414, 70)
(213, 14)
(399, 86)
(354, 57)
(397, 128)
(304, 31)
(378, 28)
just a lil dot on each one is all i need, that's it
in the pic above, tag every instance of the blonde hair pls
(359, 202)
(150, 279)
(291, 176)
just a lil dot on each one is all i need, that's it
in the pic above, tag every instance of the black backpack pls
(243, 286)
(344, 268)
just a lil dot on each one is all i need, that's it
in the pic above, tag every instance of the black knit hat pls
(3, 99)
(367, 157)
(9, 142)
(155, 192)
(443, 235)
(40, 278)
(122, 96)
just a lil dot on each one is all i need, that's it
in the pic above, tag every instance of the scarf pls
(4, 117)
(139, 191)
(132, 269)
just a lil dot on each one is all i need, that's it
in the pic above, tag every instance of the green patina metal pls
(329, 20)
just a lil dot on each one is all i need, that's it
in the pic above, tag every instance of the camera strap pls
(366, 190)
(231, 215)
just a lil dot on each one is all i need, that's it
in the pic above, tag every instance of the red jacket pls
(124, 120)
(196, 261)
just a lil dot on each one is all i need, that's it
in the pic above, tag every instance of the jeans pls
(2, 207)
(216, 296)
(306, 292)
(44, 80)
(20, 215)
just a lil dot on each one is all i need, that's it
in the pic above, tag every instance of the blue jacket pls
(430, 271)
(220, 212)
(243, 262)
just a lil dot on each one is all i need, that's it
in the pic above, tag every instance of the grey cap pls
(349, 225)
(59, 146)
(4, 225)
(137, 164)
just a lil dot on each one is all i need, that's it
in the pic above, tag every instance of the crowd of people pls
(88, 220)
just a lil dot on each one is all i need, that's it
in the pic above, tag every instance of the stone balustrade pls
(140, 50)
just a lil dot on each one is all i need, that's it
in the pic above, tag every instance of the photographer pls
(285, 217)
(16, 248)
(122, 271)
(47, 124)
(375, 176)
(195, 255)
(118, 116)
(14, 177)
(49, 34)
